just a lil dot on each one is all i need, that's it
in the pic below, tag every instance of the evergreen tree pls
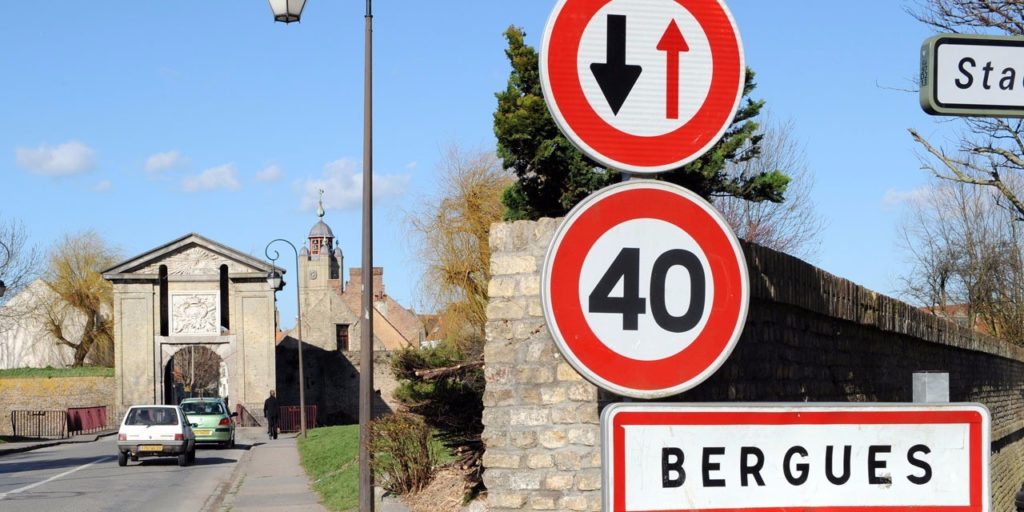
(552, 175)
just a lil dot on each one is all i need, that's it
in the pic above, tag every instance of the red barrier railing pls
(86, 420)
(245, 418)
(39, 424)
(290, 420)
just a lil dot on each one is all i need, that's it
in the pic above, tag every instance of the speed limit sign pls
(645, 289)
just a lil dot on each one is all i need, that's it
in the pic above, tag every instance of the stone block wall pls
(332, 382)
(54, 394)
(540, 417)
(809, 336)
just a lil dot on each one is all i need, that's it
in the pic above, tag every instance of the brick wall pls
(53, 394)
(810, 336)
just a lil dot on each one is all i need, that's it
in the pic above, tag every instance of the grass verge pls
(330, 456)
(12, 439)
(50, 373)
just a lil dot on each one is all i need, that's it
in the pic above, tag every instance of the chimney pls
(356, 279)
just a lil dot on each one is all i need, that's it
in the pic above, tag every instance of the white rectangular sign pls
(973, 75)
(676, 457)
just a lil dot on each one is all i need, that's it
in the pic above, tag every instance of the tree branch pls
(436, 373)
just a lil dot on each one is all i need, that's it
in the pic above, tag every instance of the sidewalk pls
(35, 444)
(269, 476)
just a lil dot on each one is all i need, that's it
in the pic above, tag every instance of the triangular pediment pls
(190, 255)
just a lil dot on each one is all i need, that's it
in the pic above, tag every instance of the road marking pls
(52, 478)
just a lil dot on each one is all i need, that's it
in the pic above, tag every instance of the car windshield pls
(202, 408)
(151, 416)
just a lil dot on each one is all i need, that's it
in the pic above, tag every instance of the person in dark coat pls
(270, 411)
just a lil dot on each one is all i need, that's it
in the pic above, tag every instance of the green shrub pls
(401, 456)
(453, 403)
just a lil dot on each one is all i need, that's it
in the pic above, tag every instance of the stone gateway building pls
(193, 295)
(195, 317)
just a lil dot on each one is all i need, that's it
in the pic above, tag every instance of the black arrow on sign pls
(615, 77)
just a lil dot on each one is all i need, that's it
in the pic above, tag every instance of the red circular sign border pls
(560, 284)
(616, 148)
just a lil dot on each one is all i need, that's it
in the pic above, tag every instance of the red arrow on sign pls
(672, 43)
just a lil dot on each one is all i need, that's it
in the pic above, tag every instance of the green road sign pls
(972, 75)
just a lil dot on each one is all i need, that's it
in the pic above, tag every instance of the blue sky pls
(149, 120)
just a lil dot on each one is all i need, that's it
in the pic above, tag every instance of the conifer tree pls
(552, 175)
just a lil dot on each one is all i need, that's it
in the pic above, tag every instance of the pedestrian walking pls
(270, 412)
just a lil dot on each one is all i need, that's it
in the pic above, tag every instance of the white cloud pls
(164, 161)
(102, 186)
(223, 176)
(69, 158)
(342, 182)
(269, 173)
(412, 165)
(894, 198)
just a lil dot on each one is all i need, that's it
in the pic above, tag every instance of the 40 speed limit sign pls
(645, 289)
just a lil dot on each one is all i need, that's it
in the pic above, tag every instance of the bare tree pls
(19, 262)
(987, 156)
(965, 251)
(453, 230)
(964, 240)
(970, 16)
(989, 149)
(79, 317)
(792, 226)
(198, 369)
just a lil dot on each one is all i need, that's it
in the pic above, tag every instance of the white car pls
(155, 431)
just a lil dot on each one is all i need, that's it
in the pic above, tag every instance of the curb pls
(221, 500)
(58, 442)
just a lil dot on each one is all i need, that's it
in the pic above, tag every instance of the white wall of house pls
(24, 340)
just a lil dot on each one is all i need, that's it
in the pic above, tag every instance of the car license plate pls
(202, 432)
(151, 448)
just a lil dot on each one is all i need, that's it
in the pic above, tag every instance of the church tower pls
(320, 283)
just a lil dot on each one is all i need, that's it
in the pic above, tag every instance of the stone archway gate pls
(193, 291)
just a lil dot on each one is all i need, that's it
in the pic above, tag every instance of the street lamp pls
(7, 259)
(274, 279)
(288, 11)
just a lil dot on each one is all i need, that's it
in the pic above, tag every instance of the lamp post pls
(274, 278)
(288, 11)
(7, 259)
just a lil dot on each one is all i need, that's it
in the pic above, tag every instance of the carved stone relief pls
(193, 261)
(195, 314)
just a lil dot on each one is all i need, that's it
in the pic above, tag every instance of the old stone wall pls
(53, 394)
(810, 336)
(332, 382)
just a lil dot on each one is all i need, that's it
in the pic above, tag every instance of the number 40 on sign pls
(645, 289)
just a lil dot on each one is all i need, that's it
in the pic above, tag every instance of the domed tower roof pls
(321, 230)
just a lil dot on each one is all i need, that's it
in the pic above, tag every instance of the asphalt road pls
(85, 477)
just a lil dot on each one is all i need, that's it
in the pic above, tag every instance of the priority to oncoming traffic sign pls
(643, 86)
(808, 457)
(645, 289)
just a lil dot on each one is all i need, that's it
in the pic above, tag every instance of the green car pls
(210, 420)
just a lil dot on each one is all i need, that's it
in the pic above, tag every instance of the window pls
(225, 320)
(202, 408)
(152, 416)
(341, 335)
(164, 304)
